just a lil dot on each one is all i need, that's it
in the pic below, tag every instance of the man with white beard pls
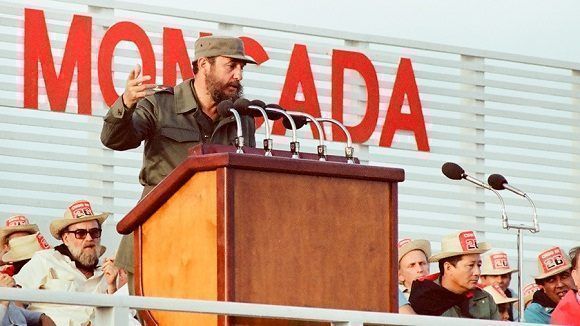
(71, 266)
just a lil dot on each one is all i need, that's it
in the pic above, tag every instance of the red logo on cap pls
(499, 290)
(499, 261)
(531, 288)
(468, 241)
(403, 242)
(7, 269)
(42, 241)
(16, 221)
(81, 209)
(552, 259)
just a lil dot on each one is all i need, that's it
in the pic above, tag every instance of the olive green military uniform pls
(481, 306)
(170, 122)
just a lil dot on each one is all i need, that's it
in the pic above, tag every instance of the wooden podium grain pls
(272, 230)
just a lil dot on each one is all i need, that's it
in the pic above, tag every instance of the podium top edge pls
(196, 163)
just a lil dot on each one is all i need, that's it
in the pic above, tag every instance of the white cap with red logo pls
(458, 244)
(79, 211)
(496, 264)
(23, 248)
(16, 223)
(551, 262)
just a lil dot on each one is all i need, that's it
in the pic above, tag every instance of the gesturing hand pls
(110, 271)
(135, 89)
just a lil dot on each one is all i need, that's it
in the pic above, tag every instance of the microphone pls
(256, 108)
(294, 145)
(225, 109)
(499, 182)
(348, 150)
(455, 172)
(302, 118)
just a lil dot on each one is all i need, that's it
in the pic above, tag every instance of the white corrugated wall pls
(490, 112)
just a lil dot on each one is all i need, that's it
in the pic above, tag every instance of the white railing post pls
(113, 316)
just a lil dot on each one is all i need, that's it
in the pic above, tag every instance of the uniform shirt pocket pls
(180, 135)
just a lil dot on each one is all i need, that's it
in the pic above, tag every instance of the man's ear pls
(447, 266)
(65, 237)
(202, 63)
(401, 278)
(576, 276)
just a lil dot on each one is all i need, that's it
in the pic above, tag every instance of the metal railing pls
(114, 309)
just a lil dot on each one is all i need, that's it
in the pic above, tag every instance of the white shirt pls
(50, 270)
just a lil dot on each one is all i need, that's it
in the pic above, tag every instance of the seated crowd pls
(74, 266)
(467, 284)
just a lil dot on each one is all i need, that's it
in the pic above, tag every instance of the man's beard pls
(216, 89)
(86, 257)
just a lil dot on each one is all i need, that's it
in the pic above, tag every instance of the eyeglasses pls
(82, 233)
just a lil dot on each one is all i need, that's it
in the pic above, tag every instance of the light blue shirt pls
(402, 299)
(537, 314)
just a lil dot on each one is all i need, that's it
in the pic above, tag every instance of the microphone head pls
(497, 181)
(224, 108)
(453, 171)
(241, 105)
(258, 103)
(299, 121)
(252, 111)
(274, 115)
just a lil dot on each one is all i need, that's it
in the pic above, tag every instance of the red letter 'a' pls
(299, 73)
(342, 60)
(175, 52)
(123, 31)
(405, 84)
(77, 52)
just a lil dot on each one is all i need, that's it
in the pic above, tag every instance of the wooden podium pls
(272, 230)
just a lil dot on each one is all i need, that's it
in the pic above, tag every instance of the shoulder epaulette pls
(163, 88)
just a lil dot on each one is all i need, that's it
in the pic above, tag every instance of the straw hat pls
(551, 262)
(23, 248)
(408, 245)
(79, 211)
(529, 291)
(496, 264)
(458, 244)
(498, 295)
(16, 223)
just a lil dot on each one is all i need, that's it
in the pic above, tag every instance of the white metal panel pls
(491, 112)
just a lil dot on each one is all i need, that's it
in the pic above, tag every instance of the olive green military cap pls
(225, 46)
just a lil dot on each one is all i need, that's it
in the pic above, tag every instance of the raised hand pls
(135, 89)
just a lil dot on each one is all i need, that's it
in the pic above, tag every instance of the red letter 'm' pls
(77, 52)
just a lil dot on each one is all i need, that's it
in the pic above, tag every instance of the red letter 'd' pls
(405, 84)
(342, 60)
(123, 31)
(175, 52)
(77, 52)
(299, 74)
